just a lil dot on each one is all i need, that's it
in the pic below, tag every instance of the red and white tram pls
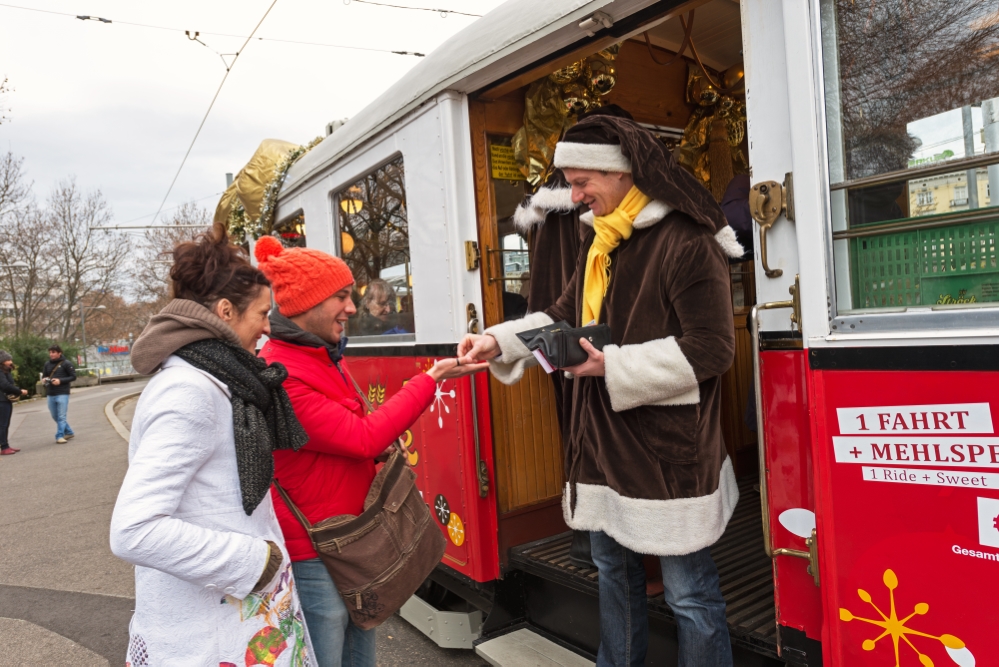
(868, 321)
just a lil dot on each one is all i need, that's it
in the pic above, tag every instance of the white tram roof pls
(512, 36)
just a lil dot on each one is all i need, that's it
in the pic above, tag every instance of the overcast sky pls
(117, 105)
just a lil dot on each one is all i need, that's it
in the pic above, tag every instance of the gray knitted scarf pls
(262, 417)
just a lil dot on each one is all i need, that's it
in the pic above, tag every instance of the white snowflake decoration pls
(439, 400)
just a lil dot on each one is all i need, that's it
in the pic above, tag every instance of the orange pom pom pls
(267, 247)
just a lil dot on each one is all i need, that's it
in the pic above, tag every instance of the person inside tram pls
(377, 316)
(647, 467)
(332, 473)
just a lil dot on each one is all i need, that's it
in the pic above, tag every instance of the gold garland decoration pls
(552, 105)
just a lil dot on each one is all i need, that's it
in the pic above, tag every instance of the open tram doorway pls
(696, 104)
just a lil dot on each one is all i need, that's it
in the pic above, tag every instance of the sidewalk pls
(71, 598)
(65, 600)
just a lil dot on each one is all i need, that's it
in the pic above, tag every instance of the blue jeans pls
(691, 589)
(336, 640)
(58, 407)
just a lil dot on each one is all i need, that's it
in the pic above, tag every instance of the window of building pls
(374, 241)
(912, 109)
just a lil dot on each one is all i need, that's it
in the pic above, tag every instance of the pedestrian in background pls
(213, 583)
(332, 474)
(11, 393)
(58, 374)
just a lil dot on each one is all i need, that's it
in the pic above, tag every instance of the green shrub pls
(30, 355)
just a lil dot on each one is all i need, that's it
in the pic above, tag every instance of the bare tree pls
(4, 88)
(15, 190)
(152, 275)
(29, 275)
(92, 262)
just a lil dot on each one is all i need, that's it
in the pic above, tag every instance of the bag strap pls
(294, 509)
(398, 441)
(360, 393)
(57, 367)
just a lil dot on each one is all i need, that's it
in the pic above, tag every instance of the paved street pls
(64, 598)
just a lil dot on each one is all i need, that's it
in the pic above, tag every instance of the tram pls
(867, 531)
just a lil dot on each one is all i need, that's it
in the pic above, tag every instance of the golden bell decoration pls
(576, 98)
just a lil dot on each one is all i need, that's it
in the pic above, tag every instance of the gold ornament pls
(602, 75)
(567, 74)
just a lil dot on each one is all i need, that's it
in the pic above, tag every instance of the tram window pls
(911, 88)
(374, 241)
(291, 231)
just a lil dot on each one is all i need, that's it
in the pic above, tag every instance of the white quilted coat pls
(179, 519)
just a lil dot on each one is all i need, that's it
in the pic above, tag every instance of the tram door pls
(880, 430)
(527, 444)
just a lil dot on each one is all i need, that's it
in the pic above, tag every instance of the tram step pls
(743, 567)
(525, 648)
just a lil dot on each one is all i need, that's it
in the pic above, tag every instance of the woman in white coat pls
(213, 583)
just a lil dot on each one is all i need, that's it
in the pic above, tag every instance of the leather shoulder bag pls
(378, 559)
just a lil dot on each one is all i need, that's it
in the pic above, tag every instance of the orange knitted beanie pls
(300, 277)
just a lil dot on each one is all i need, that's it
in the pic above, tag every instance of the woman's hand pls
(474, 348)
(594, 364)
(24, 392)
(446, 369)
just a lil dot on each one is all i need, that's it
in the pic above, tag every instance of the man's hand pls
(446, 369)
(24, 392)
(475, 348)
(594, 364)
(56, 382)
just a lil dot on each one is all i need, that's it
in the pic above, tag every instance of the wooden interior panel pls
(527, 446)
(652, 93)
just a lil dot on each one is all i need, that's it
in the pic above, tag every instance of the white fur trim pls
(514, 357)
(652, 373)
(729, 244)
(553, 199)
(598, 157)
(656, 527)
(653, 212)
(533, 210)
(527, 216)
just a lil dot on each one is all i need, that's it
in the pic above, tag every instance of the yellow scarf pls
(610, 230)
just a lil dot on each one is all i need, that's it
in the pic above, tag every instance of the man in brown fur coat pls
(646, 467)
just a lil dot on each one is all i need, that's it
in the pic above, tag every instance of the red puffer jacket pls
(332, 473)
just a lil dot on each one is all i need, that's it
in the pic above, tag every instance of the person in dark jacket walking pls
(8, 388)
(57, 376)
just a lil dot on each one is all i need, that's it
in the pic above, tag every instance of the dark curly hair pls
(210, 268)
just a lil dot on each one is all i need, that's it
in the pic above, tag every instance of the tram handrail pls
(761, 443)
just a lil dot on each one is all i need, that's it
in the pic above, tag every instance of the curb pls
(113, 418)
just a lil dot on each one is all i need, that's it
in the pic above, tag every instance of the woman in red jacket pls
(332, 473)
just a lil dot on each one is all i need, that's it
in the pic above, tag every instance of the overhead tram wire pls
(86, 17)
(442, 12)
(228, 69)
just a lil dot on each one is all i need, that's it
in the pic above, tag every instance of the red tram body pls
(875, 460)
